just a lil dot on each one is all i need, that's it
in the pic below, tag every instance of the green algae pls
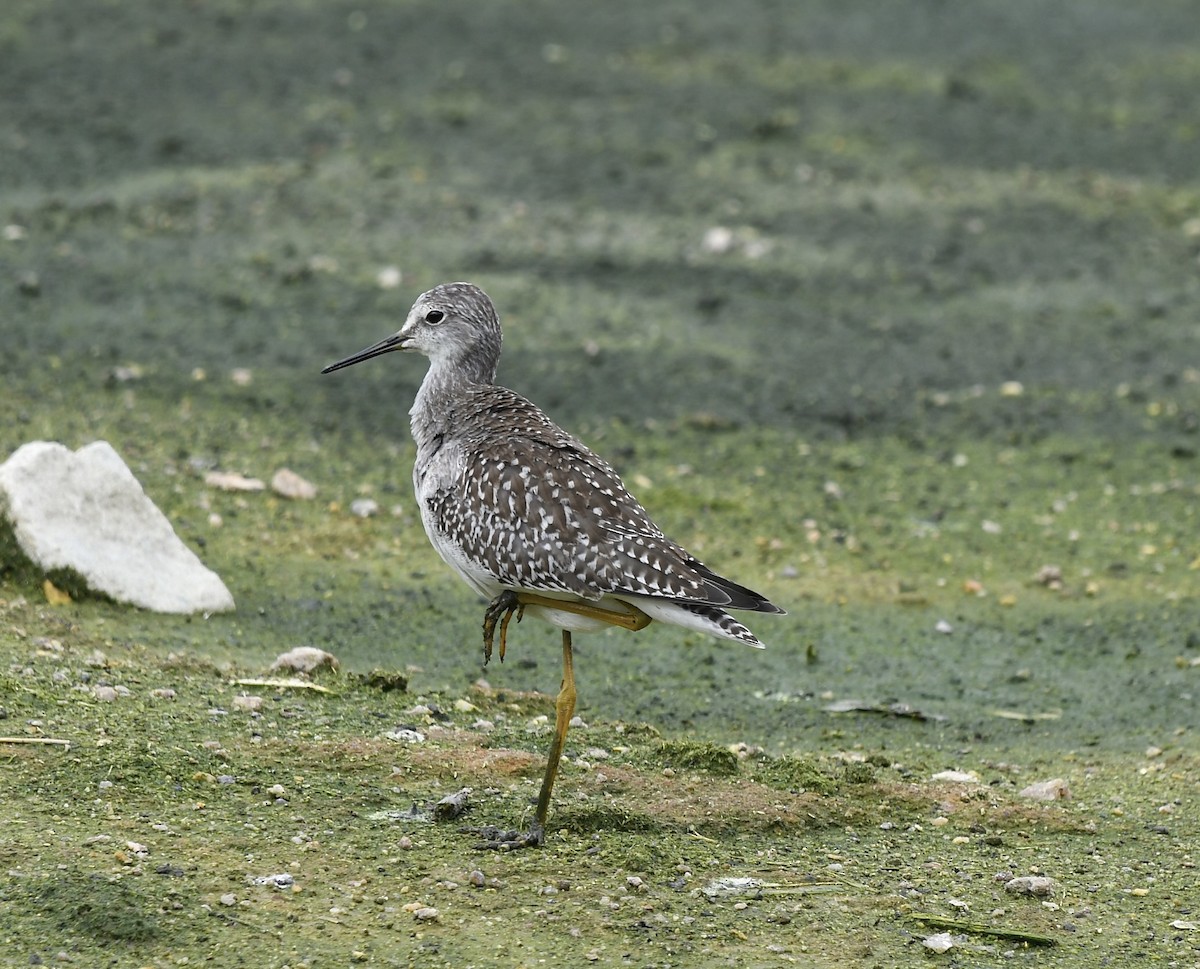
(693, 755)
(95, 906)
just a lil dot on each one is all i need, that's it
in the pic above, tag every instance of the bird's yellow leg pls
(564, 709)
(632, 618)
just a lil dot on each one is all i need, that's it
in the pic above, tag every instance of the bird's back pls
(539, 510)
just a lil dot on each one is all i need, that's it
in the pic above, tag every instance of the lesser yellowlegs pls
(533, 520)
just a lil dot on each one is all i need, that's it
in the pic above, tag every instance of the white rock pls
(956, 777)
(288, 484)
(86, 512)
(232, 481)
(304, 659)
(1055, 789)
(1030, 885)
(942, 942)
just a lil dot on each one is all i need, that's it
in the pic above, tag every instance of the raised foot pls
(497, 839)
(500, 610)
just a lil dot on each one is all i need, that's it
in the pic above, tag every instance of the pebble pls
(956, 777)
(287, 484)
(1030, 885)
(426, 914)
(232, 481)
(304, 659)
(452, 805)
(477, 878)
(942, 942)
(280, 881)
(1055, 789)
(251, 704)
(105, 693)
(405, 735)
(364, 507)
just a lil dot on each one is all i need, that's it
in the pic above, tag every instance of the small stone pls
(1030, 885)
(956, 777)
(278, 882)
(452, 805)
(242, 376)
(477, 878)
(229, 899)
(364, 507)
(287, 484)
(405, 843)
(717, 240)
(251, 704)
(232, 481)
(106, 694)
(163, 693)
(942, 626)
(426, 913)
(1055, 789)
(1049, 576)
(942, 942)
(405, 735)
(389, 277)
(304, 659)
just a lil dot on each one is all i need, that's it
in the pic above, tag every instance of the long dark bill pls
(386, 345)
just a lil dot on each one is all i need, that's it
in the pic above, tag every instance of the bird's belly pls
(471, 572)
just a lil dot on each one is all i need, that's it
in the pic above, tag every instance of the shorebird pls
(531, 518)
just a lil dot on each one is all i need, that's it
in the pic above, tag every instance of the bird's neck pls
(438, 400)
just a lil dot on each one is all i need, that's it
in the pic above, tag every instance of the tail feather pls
(740, 597)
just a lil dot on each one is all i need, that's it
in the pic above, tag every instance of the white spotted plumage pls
(512, 501)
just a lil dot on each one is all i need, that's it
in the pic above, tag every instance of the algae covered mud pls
(888, 313)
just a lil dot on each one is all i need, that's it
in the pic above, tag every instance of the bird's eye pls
(434, 316)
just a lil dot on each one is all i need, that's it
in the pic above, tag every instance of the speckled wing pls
(539, 511)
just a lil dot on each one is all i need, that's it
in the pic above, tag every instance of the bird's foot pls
(500, 610)
(497, 839)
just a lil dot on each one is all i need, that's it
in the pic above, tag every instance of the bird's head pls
(454, 324)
